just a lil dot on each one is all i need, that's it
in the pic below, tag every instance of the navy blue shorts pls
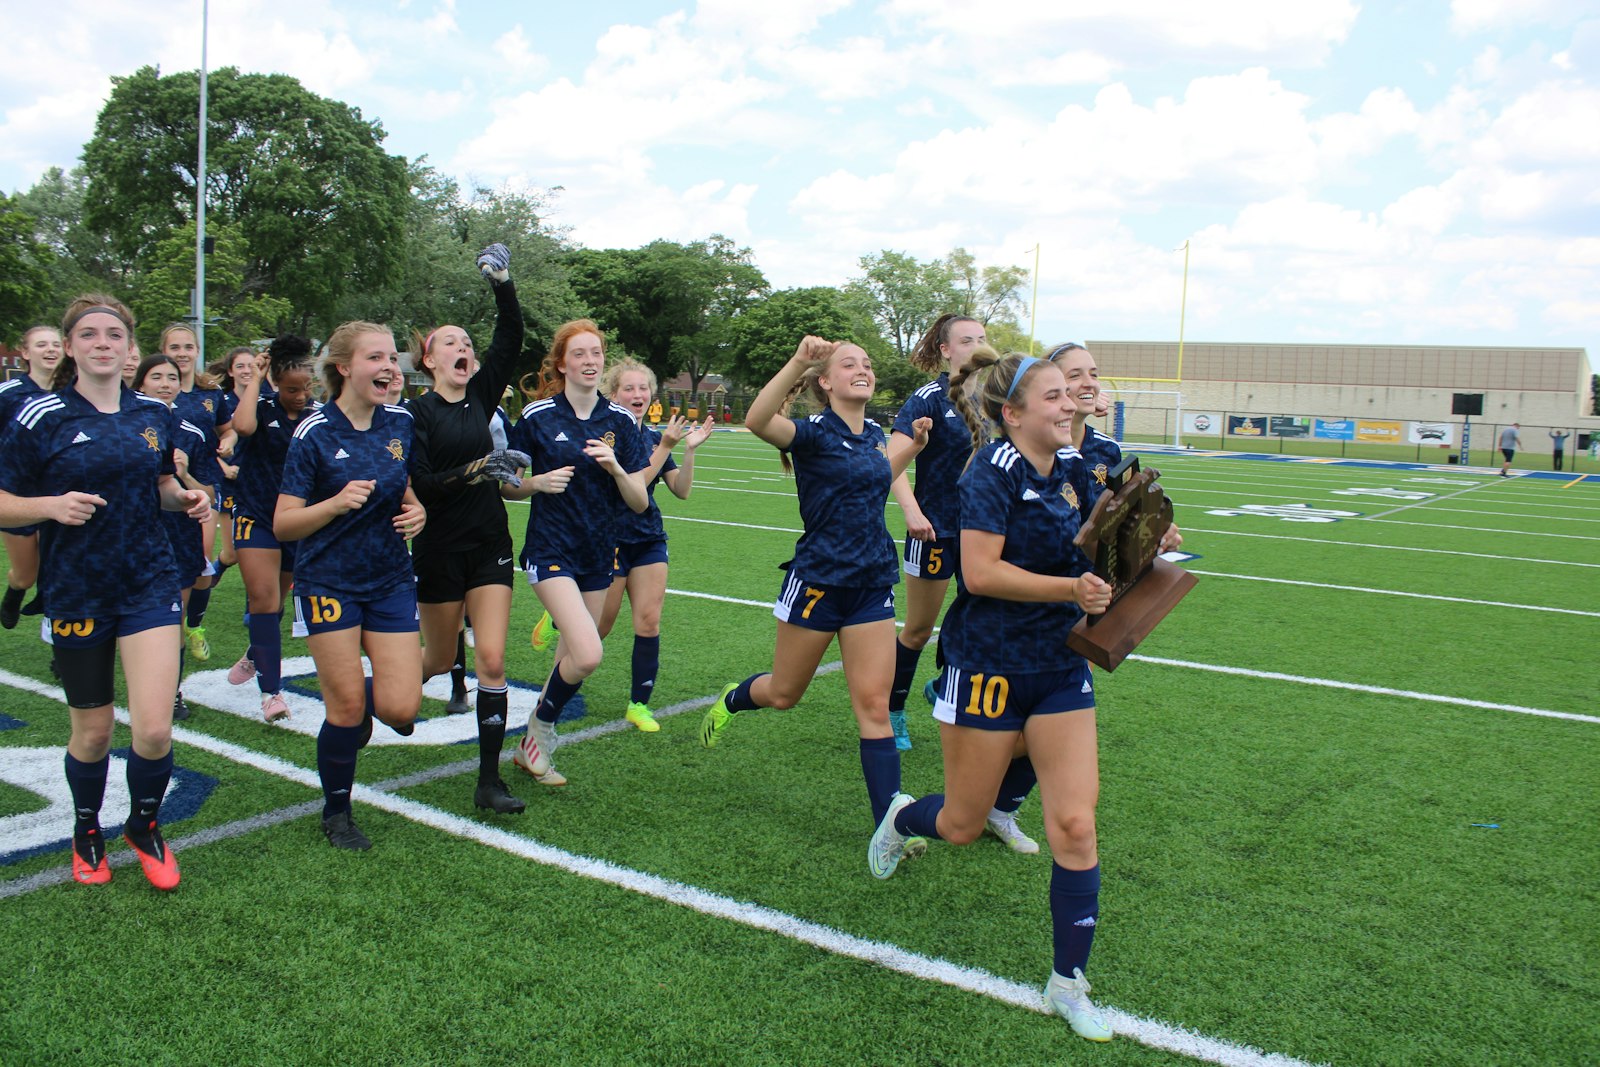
(540, 569)
(830, 608)
(1004, 702)
(638, 554)
(20, 531)
(87, 633)
(392, 614)
(251, 532)
(937, 561)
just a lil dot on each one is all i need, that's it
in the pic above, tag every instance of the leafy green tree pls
(989, 294)
(904, 295)
(82, 259)
(320, 205)
(1006, 336)
(766, 334)
(24, 277)
(234, 314)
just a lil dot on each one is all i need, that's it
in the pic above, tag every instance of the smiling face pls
(1039, 414)
(633, 392)
(848, 375)
(294, 389)
(583, 361)
(98, 345)
(450, 358)
(162, 382)
(1082, 377)
(42, 349)
(181, 345)
(242, 369)
(374, 369)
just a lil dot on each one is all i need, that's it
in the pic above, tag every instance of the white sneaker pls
(1006, 829)
(1069, 998)
(472, 642)
(533, 753)
(888, 846)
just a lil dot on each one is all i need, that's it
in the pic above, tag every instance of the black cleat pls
(34, 606)
(342, 832)
(180, 710)
(457, 705)
(11, 607)
(497, 798)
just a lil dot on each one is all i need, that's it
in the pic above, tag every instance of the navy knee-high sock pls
(740, 699)
(458, 669)
(88, 784)
(491, 731)
(147, 786)
(646, 663)
(1019, 780)
(336, 765)
(920, 818)
(880, 766)
(199, 600)
(555, 696)
(905, 671)
(1074, 909)
(266, 651)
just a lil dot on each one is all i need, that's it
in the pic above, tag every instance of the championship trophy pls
(1123, 535)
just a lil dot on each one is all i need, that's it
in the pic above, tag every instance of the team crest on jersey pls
(150, 438)
(609, 438)
(1069, 494)
(397, 450)
(210, 405)
(1100, 473)
(882, 451)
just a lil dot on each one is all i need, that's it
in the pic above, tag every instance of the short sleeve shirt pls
(261, 456)
(1038, 516)
(1101, 454)
(359, 555)
(940, 462)
(183, 533)
(644, 527)
(119, 562)
(842, 479)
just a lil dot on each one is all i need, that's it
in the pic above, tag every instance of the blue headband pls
(1022, 368)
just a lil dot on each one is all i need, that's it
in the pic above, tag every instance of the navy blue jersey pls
(260, 458)
(1002, 493)
(1100, 455)
(842, 479)
(579, 525)
(641, 526)
(119, 562)
(206, 409)
(14, 394)
(939, 464)
(359, 555)
(183, 533)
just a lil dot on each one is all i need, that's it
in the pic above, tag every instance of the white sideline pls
(1396, 592)
(1388, 548)
(1151, 1032)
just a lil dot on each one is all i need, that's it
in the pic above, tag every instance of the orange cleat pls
(89, 864)
(155, 858)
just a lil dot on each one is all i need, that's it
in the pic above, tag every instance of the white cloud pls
(516, 52)
(1471, 16)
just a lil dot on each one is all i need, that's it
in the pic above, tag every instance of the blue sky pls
(1404, 172)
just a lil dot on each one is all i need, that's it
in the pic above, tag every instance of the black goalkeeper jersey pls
(451, 435)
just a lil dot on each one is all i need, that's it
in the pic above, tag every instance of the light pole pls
(199, 299)
(1033, 306)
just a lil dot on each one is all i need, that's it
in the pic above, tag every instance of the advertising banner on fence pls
(1380, 432)
(1430, 433)
(1334, 429)
(1247, 426)
(1202, 422)
(1289, 426)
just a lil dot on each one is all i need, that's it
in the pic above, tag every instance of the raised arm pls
(764, 419)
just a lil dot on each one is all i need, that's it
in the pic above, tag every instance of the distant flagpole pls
(1183, 307)
(1033, 307)
(199, 308)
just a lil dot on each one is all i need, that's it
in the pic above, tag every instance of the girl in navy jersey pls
(640, 568)
(159, 377)
(92, 463)
(1007, 684)
(234, 374)
(591, 462)
(265, 425)
(346, 498)
(463, 559)
(41, 352)
(841, 580)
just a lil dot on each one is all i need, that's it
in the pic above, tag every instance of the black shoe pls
(343, 833)
(180, 710)
(497, 798)
(11, 607)
(404, 729)
(457, 704)
(34, 606)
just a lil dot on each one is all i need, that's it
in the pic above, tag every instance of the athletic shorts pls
(86, 633)
(392, 614)
(225, 499)
(1004, 702)
(21, 531)
(250, 532)
(638, 554)
(540, 569)
(830, 608)
(1509, 453)
(937, 561)
(445, 577)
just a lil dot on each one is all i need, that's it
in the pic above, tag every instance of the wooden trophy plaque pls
(1122, 535)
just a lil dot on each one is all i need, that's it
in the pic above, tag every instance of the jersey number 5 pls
(935, 560)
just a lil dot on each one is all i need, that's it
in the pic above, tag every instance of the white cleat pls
(888, 845)
(533, 754)
(1007, 830)
(1069, 998)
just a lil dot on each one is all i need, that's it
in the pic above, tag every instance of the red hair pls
(552, 377)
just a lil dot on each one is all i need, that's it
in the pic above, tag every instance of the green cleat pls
(194, 638)
(717, 718)
(641, 716)
(543, 630)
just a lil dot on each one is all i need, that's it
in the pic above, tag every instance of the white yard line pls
(1396, 592)
(1386, 548)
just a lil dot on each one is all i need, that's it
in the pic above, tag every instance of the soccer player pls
(841, 580)
(41, 352)
(640, 567)
(463, 559)
(92, 462)
(346, 498)
(265, 425)
(591, 461)
(235, 372)
(193, 463)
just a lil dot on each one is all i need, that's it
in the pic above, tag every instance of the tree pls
(318, 202)
(24, 279)
(82, 259)
(992, 294)
(767, 333)
(904, 296)
(234, 315)
(1006, 337)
